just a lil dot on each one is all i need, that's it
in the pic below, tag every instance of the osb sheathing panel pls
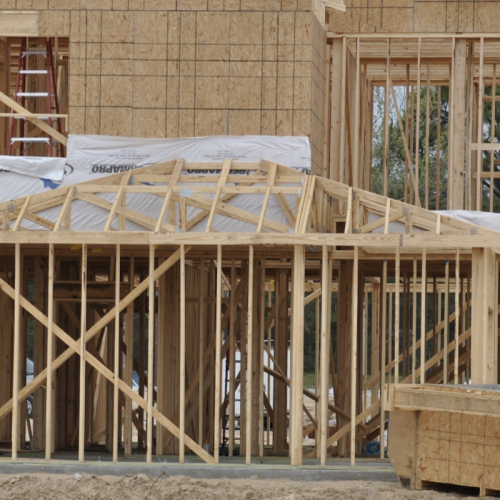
(176, 68)
(458, 449)
(429, 16)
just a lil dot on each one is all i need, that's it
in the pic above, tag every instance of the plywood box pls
(429, 445)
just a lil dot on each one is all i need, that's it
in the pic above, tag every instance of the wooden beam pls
(35, 121)
(182, 356)
(354, 355)
(22, 213)
(297, 355)
(117, 355)
(423, 315)
(218, 342)
(151, 339)
(325, 349)
(83, 349)
(249, 391)
(179, 165)
(49, 392)
(16, 418)
(220, 184)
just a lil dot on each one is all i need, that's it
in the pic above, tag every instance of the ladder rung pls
(43, 118)
(33, 72)
(35, 52)
(31, 139)
(34, 94)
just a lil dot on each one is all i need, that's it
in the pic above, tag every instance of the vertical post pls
(446, 320)
(218, 340)
(427, 129)
(83, 349)
(50, 355)
(325, 349)
(382, 363)
(249, 359)
(343, 112)
(492, 134)
(438, 147)
(423, 314)
(232, 356)
(480, 104)
(417, 125)
(386, 116)
(328, 96)
(261, 355)
(129, 361)
(17, 335)
(457, 118)
(355, 165)
(151, 338)
(201, 357)
(182, 358)
(317, 372)
(414, 324)
(396, 316)
(354, 354)
(116, 392)
(457, 313)
(297, 355)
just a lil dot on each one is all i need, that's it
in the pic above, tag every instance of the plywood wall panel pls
(177, 68)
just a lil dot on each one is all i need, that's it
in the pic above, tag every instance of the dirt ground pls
(76, 486)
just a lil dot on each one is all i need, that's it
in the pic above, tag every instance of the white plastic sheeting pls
(483, 219)
(96, 156)
(34, 166)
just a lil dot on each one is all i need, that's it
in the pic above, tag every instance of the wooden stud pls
(202, 356)
(414, 325)
(396, 317)
(438, 149)
(325, 349)
(249, 358)
(386, 119)
(261, 355)
(423, 314)
(355, 181)
(117, 354)
(354, 354)
(343, 114)
(427, 130)
(492, 133)
(417, 125)
(129, 361)
(218, 342)
(151, 335)
(383, 359)
(457, 315)
(479, 164)
(49, 393)
(446, 319)
(16, 355)
(182, 357)
(83, 349)
(297, 356)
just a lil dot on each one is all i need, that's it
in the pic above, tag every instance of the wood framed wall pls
(198, 298)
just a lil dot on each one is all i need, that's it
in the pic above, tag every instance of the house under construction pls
(198, 296)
